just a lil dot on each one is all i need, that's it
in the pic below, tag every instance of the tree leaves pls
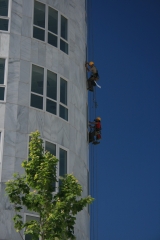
(34, 190)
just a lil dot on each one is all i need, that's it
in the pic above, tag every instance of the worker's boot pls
(95, 143)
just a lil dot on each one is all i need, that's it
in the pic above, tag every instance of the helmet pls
(98, 118)
(91, 63)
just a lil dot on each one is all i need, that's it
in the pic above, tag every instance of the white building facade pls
(43, 86)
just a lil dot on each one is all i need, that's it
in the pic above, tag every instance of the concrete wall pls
(18, 119)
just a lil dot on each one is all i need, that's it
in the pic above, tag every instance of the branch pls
(21, 236)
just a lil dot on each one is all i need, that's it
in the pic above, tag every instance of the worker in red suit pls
(95, 135)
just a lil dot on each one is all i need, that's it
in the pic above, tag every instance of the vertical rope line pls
(93, 212)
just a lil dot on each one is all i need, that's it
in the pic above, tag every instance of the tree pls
(35, 190)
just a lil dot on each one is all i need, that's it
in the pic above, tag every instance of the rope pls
(93, 150)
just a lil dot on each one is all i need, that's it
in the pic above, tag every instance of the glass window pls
(63, 112)
(4, 8)
(51, 85)
(38, 33)
(39, 14)
(64, 46)
(64, 27)
(39, 20)
(30, 218)
(2, 93)
(2, 74)
(36, 101)
(51, 106)
(52, 39)
(50, 147)
(3, 24)
(52, 20)
(63, 91)
(37, 79)
(62, 163)
(44, 85)
(2, 69)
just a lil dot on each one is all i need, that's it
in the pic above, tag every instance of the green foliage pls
(35, 191)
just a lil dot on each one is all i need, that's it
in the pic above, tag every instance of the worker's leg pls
(90, 86)
(91, 136)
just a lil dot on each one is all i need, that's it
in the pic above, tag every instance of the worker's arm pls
(93, 122)
(86, 66)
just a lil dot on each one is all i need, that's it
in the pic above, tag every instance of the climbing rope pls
(93, 149)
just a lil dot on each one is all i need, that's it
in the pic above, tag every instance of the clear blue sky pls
(127, 55)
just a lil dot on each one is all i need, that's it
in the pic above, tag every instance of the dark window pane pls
(51, 106)
(52, 39)
(30, 218)
(62, 162)
(36, 101)
(63, 91)
(50, 147)
(28, 237)
(4, 24)
(51, 85)
(37, 79)
(64, 27)
(2, 93)
(2, 68)
(53, 20)
(38, 33)
(64, 46)
(4, 8)
(63, 112)
(39, 14)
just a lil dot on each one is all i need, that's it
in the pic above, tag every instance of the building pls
(43, 86)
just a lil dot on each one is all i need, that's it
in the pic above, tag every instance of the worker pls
(95, 134)
(94, 75)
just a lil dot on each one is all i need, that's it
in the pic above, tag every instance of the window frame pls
(44, 96)
(47, 31)
(60, 103)
(61, 38)
(5, 78)
(58, 146)
(7, 17)
(63, 148)
(1, 150)
(58, 35)
(33, 25)
(32, 215)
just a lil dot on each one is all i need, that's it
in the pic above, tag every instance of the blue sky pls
(126, 35)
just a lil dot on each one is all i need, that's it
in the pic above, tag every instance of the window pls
(45, 26)
(39, 21)
(59, 153)
(62, 163)
(52, 26)
(37, 87)
(30, 218)
(4, 19)
(2, 79)
(63, 111)
(50, 147)
(64, 35)
(44, 85)
(51, 104)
